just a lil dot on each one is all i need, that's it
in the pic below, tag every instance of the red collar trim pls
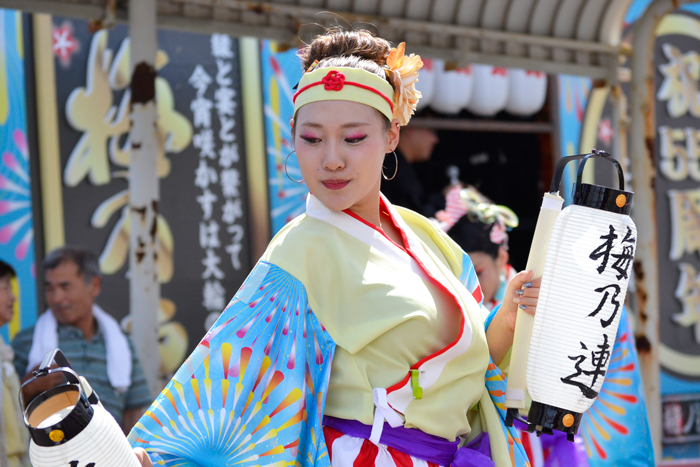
(440, 285)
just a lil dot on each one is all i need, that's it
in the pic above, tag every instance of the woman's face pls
(341, 146)
(489, 271)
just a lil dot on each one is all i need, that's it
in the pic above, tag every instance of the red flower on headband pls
(333, 81)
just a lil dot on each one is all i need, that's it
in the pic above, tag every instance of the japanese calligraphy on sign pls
(680, 85)
(218, 174)
(681, 418)
(677, 158)
(202, 179)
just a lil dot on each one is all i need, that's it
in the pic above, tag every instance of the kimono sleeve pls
(615, 430)
(470, 280)
(254, 389)
(495, 379)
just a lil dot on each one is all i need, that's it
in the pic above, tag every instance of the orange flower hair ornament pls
(402, 71)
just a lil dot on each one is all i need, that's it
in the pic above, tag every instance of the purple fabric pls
(421, 445)
(560, 451)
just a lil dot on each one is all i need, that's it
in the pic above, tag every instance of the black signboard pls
(677, 184)
(681, 419)
(203, 226)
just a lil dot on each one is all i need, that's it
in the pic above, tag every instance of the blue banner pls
(16, 217)
(281, 70)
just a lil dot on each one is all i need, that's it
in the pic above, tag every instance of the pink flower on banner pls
(64, 43)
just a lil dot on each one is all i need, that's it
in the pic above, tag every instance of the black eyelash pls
(356, 140)
(310, 140)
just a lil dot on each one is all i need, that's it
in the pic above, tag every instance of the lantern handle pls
(604, 155)
(45, 369)
(559, 171)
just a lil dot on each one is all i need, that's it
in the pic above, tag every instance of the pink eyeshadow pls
(356, 136)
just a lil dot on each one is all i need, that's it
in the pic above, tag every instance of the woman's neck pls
(373, 211)
(368, 208)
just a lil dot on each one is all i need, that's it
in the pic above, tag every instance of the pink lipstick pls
(335, 184)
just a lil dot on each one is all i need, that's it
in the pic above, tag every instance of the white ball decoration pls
(453, 89)
(527, 92)
(426, 83)
(490, 92)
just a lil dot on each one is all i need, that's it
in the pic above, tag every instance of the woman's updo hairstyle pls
(474, 236)
(475, 222)
(352, 49)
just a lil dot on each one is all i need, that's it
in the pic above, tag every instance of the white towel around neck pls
(118, 353)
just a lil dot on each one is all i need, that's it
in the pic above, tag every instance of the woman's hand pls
(143, 457)
(522, 294)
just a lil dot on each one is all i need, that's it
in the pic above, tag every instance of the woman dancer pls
(360, 337)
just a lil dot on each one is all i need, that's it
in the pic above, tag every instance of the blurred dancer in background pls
(14, 437)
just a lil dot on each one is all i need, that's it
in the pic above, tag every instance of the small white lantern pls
(68, 425)
(426, 83)
(527, 92)
(490, 90)
(453, 88)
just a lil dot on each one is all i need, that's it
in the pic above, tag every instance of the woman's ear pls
(394, 132)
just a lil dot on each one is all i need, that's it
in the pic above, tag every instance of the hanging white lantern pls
(490, 90)
(584, 283)
(527, 92)
(453, 88)
(426, 83)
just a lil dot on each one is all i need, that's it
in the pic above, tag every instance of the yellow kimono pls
(352, 313)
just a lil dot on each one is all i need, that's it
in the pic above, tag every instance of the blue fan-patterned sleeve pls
(253, 391)
(495, 379)
(615, 430)
(471, 281)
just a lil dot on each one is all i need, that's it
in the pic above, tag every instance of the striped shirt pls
(89, 359)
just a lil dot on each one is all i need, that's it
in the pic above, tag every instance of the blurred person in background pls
(405, 188)
(480, 228)
(91, 339)
(14, 437)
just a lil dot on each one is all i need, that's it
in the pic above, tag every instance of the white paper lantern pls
(101, 442)
(584, 283)
(68, 425)
(426, 83)
(453, 89)
(490, 90)
(527, 92)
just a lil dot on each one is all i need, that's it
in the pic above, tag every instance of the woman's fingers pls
(520, 279)
(526, 301)
(534, 292)
(143, 457)
(528, 291)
